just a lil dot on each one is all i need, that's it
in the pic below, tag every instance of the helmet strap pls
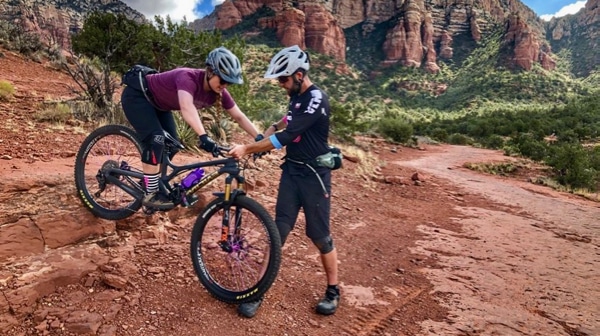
(297, 84)
(208, 76)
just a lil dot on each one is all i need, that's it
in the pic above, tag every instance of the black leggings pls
(145, 119)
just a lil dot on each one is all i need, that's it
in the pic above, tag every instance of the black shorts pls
(145, 119)
(299, 187)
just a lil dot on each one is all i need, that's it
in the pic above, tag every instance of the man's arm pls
(238, 151)
(276, 127)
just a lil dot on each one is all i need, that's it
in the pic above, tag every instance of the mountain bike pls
(235, 245)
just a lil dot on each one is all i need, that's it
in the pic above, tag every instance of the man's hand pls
(208, 144)
(237, 151)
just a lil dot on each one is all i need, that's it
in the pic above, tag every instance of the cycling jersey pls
(164, 87)
(307, 131)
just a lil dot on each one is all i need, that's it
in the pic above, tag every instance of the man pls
(303, 184)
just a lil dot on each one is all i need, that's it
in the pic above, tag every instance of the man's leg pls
(317, 209)
(330, 264)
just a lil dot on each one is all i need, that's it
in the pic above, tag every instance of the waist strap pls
(146, 90)
(314, 171)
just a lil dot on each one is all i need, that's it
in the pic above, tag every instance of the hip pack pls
(135, 78)
(331, 159)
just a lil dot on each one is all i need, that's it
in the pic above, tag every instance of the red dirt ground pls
(456, 253)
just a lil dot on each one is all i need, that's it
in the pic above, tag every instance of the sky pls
(196, 9)
(176, 9)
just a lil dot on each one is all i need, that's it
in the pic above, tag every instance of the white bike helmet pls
(225, 65)
(287, 62)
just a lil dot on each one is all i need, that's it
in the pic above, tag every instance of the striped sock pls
(151, 182)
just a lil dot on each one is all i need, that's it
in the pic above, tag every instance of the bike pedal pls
(148, 211)
(191, 200)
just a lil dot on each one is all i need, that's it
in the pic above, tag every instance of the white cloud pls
(217, 2)
(566, 10)
(176, 9)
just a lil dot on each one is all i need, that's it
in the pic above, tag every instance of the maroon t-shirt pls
(164, 87)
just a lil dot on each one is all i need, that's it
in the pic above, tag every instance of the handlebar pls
(222, 151)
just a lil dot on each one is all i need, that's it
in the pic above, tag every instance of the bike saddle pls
(170, 140)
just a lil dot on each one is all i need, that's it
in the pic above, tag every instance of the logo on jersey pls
(315, 102)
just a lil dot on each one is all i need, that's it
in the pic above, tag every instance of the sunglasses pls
(224, 82)
(283, 79)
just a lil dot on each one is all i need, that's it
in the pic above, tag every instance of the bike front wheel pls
(109, 147)
(238, 264)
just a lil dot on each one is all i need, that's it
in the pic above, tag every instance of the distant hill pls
(419, 33)
(416, 55)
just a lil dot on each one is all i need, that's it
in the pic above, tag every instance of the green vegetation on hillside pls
(473, 100)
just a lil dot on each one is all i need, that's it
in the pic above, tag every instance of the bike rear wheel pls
(111, 146)
(244, 268)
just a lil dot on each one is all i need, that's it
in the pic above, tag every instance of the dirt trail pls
(457, 253)
(528, 266)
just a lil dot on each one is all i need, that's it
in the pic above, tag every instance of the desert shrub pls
(7, 90)
(459, 139)
(346, 119)
(440, 134)
(510, 150)
(529, 146)
(503, 169)
(187, 136)
(494, 142)
(55, 113)
(87, 111)
(396, 129)
(14, 37)
(571, 163)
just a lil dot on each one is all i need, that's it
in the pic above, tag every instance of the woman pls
(149, 99)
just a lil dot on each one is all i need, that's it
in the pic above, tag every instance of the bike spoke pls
(244, 266)
(115, 149)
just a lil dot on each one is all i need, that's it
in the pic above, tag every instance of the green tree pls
(571, 163)
(116, 40)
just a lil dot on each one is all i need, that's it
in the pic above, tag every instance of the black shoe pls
(249, 309)
(329, 303)
(158, 200)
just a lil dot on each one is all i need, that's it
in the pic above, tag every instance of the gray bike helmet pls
(225, 65)
(287, 62)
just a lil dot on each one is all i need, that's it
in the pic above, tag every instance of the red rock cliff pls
(423, 28)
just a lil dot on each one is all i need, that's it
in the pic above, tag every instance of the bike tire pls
(108, 145)
(216, 268)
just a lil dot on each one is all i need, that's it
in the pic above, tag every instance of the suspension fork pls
(228, 197)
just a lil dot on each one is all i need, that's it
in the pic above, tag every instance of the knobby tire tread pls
(82, 191)
(267, 280)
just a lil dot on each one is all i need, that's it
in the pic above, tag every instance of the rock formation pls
(56, 20)
(421, 30)
(580, 34)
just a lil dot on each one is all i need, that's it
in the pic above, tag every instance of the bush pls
(440, 134)
(56, 113)
(530, 147)
(459, 139)
(7, 90)
(571, 163)
(395, 129)
(494, 142)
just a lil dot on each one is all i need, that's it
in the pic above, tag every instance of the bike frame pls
(230, 166)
